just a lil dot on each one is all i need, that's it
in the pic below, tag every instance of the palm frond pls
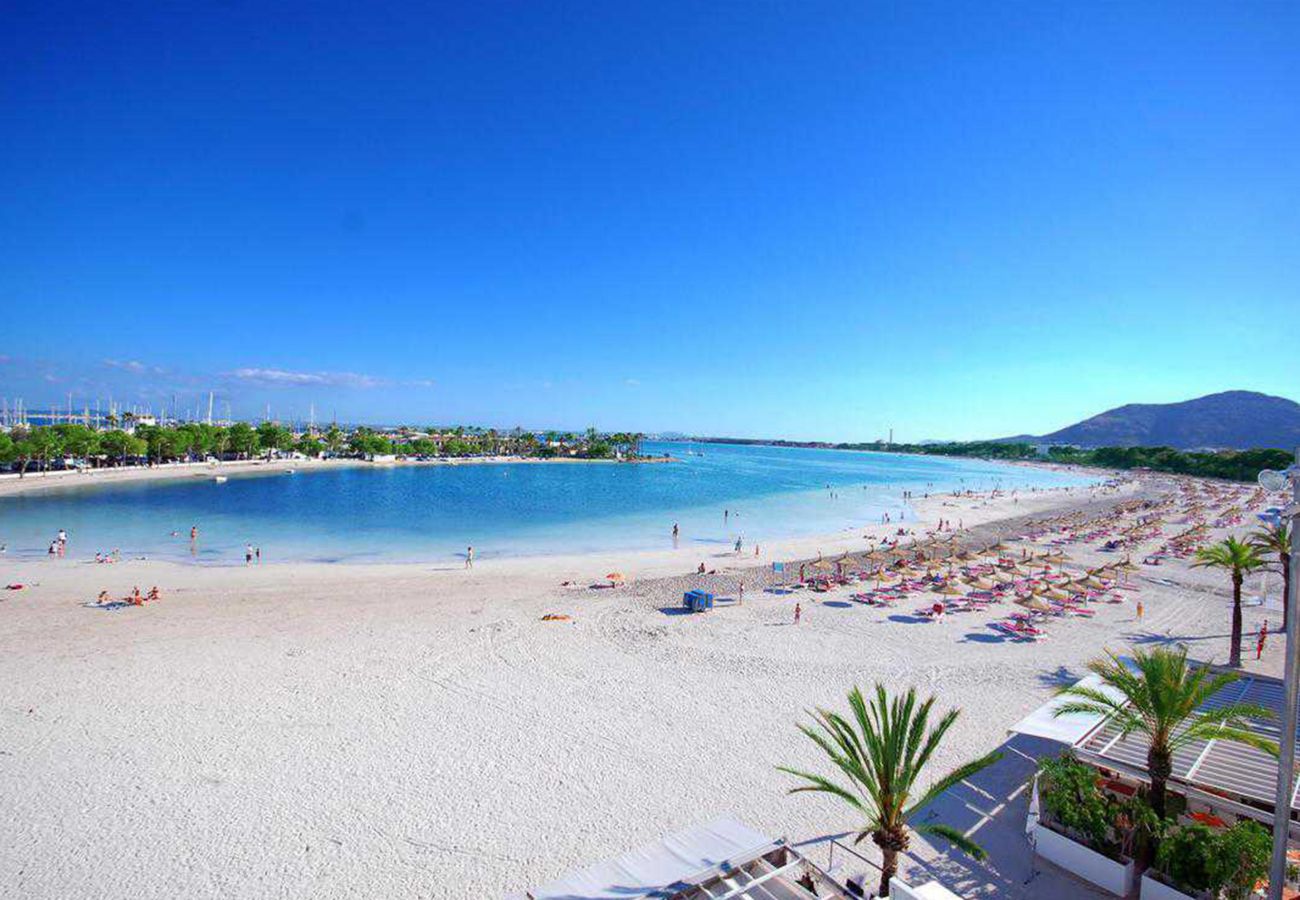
(954, 837)
(956, 776)
(881, 748)
(820, 785)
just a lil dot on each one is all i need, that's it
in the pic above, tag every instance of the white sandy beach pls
(300, 730)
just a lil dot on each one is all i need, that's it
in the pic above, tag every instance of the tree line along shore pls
(73, 445)
(1230, 465)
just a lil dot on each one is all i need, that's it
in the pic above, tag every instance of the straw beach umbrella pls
(1035, 603)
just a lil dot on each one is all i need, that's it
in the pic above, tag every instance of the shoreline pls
(977, 510)
(35, 482)
(974, 509)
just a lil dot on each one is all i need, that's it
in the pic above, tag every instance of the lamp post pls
(1286, 757)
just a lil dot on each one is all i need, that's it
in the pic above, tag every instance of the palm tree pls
(1277, 539)
(334, 438)
(1161, 698)
(1238, 558)
(882, 753)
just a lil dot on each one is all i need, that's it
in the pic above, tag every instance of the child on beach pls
(798, 610)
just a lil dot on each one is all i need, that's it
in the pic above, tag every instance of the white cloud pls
(284, 378)
(632, 382)
(134, 366)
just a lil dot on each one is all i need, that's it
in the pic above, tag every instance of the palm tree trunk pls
(1234, 655)
(1286, 591)
(887, 870)
(1160, 765)
(891, 842)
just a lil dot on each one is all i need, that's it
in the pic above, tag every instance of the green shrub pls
(1072, 800)
(1186, 858)
(1242, 856)
(1223, 863)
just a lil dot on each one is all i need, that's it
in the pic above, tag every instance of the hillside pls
(1232, 419)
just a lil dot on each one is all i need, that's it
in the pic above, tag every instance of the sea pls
(715, 493)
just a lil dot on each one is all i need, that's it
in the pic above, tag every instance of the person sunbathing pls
(153, 593)
(103, 598)
(135, 599)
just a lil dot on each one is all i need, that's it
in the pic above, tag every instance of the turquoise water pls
(431, 513)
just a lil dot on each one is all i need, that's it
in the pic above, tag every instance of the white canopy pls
(658, 869)
(1068, 729)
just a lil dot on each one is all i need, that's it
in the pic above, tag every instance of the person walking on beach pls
(258, 554)
(740, 594)
(798, 611)
(248, 554)
(1139, 610)
(739, 541)
(194, 533)
(675, 532)
(469, 557)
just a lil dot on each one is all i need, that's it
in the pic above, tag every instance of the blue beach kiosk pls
(697, 601)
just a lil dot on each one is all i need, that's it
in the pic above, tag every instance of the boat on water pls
(220, 479)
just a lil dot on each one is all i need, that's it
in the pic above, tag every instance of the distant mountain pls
(1230, 420)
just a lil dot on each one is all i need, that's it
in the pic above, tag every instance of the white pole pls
(1286, 756)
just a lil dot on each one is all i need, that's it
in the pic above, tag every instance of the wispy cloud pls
(134, 366)
(632, 382)
(286, 378)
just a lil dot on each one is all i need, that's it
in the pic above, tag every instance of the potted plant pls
(1199, 862)
(1082, 830)
(1183, 865)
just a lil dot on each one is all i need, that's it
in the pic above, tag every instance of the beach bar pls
(1213, 783)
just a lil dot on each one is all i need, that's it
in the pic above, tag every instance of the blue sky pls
(807, 220)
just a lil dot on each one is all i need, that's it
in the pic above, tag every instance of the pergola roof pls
(1215, 766)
